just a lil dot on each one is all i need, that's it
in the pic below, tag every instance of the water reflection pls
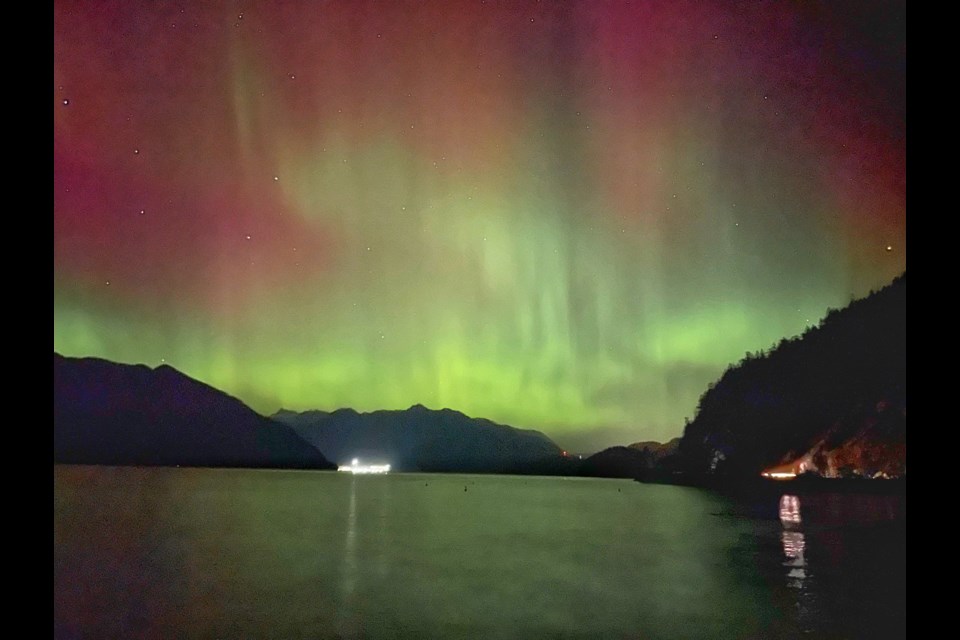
(789, 510)
(261, 554)
(793, 541)
(799, 579)
(793, 544)
(384, 548)
(348, 570)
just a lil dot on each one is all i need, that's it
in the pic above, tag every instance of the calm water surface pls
(200, 553)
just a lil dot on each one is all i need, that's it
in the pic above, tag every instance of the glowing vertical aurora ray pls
(568, 217)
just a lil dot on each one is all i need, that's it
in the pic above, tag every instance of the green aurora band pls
(568, 217)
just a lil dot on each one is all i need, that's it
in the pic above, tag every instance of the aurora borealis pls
(566, 216)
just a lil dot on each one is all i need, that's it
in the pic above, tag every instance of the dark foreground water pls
(199, 553)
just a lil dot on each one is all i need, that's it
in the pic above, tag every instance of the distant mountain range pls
(831, 402)
(421, 439)
(633, 461)
(109, 413)
(657, 452)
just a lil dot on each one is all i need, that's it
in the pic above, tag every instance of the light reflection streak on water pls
(789, 510)
(799, 578)
(793, 540)
(793, 545)
(348, 570)
(383, 548)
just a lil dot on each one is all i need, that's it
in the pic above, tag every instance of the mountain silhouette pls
(633, 461)
(616, 462)
(832, 401)
(120, 414)
(421, 439)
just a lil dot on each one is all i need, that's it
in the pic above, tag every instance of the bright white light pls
(356, 467)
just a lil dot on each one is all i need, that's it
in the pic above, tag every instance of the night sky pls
(566, 216)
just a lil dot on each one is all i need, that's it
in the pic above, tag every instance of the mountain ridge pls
(422, 439)
(131, 414)
(830, 402)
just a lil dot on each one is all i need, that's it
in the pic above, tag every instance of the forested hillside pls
(832, 401)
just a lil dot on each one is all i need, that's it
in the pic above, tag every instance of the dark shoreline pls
(799, 485)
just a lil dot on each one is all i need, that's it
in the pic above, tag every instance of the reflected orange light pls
(779, 475)
(789, 509)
